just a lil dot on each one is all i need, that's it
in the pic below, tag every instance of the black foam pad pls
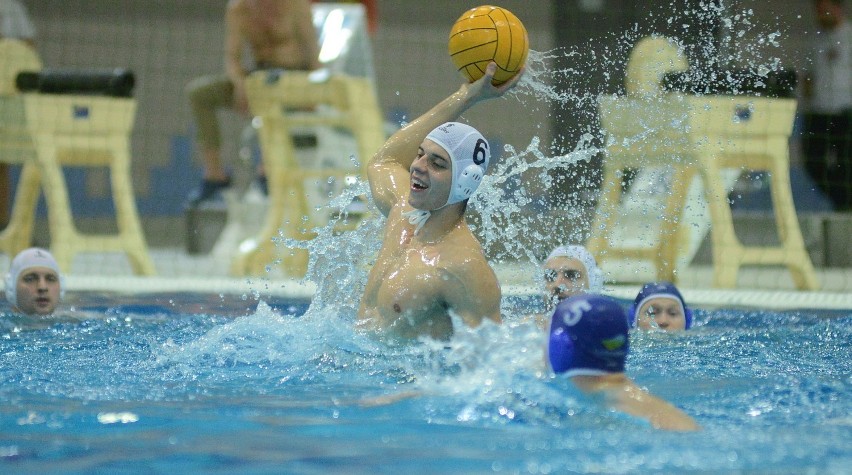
(113, 82)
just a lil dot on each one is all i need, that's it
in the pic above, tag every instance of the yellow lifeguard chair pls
(691, 135)
(45, 132)
(283, 103)
(16, 148)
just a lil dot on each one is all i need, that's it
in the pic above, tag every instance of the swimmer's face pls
(564, 277)
(663, 313)
(431, 177)
(38, 291)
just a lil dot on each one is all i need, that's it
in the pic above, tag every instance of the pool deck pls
(179, 271)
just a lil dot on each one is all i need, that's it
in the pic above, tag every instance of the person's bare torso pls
(404, 292)
(271, 30)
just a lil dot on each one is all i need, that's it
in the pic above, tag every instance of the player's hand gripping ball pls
(488, 33)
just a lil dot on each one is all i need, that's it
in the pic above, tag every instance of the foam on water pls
(493, 373)
(771, 390)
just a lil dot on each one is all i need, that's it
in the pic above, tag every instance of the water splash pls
(534, 198)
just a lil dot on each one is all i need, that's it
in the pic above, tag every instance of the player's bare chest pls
(259, 27)
(412, 285)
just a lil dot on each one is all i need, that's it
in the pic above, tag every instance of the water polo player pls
(569, 271)
(659, 305)
(34, 285)
(430, 263)
(589, 342)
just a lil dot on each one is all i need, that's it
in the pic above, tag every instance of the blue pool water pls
(206, 383)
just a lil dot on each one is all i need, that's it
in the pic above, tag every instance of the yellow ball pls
(488, 33)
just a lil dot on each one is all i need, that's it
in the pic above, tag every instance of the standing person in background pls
(827, 137)
(279, 34)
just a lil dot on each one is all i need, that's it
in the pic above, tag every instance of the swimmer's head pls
(588, 336)
(571, 270)
(469, 155)
(34, 285)
(660, 305)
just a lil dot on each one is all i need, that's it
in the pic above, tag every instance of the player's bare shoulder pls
(469, 285)
(464, 259)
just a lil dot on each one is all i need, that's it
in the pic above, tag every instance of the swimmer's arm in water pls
(473, 293)
(388, 172)
(388, 398)
(661, 414)
(620, 393)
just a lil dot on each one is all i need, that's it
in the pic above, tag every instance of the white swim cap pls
(583, 255)
(469, 153)
(27, 259)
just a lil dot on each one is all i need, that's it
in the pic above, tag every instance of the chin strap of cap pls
(418, 218)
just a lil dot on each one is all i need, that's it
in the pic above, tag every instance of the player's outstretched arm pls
(389, 168)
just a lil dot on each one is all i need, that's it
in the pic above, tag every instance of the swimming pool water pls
(175, 383)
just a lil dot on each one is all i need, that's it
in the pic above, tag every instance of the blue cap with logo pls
(588, 336)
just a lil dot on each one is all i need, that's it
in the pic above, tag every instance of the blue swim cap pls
(588, 336)
(653, 290)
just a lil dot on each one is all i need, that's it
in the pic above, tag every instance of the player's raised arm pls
(389, 169)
